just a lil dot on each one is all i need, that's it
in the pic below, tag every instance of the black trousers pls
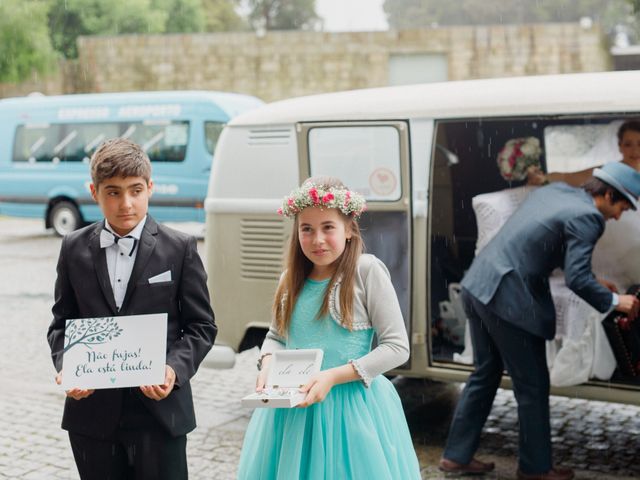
(139, 449)
(498, 344)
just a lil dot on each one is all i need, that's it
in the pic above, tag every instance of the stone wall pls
(284, 64)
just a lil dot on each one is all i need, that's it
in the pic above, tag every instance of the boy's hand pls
(317, 388)
(75, 393)
(159, 392)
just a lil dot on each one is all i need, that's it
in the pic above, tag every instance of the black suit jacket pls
(83, 290)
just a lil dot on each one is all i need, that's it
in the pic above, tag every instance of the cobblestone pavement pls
(600, 440)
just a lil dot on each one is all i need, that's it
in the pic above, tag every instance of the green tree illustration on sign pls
(90, 331)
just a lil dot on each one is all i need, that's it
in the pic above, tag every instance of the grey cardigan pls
(375, 306)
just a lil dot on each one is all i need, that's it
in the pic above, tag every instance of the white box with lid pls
(288, 371)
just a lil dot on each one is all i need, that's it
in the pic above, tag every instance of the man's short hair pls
(629, 125)
(598, 188)
(119, 157)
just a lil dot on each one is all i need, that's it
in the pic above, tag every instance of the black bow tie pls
(127, 245)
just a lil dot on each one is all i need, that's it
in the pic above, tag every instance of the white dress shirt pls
(120, 265)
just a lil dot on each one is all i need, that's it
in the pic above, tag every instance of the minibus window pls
(367, 158)
(164, 141)
(79, 141)
(36, 143)
(212, 131)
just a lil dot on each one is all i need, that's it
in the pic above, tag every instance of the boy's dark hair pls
(119, 157)
(598, 188)
(629, 125)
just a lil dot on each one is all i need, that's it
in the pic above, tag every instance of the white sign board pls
(114, 352)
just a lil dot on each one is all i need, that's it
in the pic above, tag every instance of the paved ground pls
(601, 440)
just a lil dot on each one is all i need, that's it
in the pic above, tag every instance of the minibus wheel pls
(64, 217)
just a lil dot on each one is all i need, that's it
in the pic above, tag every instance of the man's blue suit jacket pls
(556, 226)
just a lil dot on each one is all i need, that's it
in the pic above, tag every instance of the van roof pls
(544, 94)
(230, 103)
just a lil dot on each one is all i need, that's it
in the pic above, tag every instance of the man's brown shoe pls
(555, 473)
(474, 467)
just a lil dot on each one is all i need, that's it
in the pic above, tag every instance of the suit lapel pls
(145, 249)
(100, 264)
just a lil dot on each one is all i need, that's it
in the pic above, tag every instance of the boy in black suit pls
(105, 270)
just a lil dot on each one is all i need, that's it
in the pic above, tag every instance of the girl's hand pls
(261, 381)
(318, 388)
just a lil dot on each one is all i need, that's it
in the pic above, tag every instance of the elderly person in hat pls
(508, 302)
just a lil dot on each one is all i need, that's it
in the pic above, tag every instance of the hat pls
(623, 178)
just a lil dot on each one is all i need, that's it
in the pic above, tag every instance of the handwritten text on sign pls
(112, 352)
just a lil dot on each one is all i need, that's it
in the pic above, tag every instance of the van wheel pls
(64, 217)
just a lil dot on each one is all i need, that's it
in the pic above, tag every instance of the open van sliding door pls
(469, 200)
(373, 159)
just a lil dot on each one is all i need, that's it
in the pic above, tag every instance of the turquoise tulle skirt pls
(356, 433)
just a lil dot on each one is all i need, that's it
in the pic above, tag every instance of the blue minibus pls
(46, 143)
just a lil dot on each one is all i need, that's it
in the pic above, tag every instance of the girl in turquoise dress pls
(333, 297)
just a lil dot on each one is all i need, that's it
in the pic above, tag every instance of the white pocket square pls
(162, 277)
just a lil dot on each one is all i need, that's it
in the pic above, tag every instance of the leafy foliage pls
(282, 14)
(68, 19)
(221, 16)
(24, 41)
(421, 13)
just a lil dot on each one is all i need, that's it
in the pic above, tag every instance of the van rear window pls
(164, 141)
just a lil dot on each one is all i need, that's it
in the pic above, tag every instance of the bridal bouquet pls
(517, 156)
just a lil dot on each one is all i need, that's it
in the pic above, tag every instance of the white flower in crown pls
(517, 156)
(321, 196)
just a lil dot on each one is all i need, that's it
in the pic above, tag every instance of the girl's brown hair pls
(298, 267)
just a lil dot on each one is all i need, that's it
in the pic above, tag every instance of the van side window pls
(164, 141)
(212, 131)
(367, 158)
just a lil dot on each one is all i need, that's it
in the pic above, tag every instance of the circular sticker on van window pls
(382, 181)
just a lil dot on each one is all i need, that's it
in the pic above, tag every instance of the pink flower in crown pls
(347, 197)
(327, 197)
(280, 212)
(313, 193)
(290, 202)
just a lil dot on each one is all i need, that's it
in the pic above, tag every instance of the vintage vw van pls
(424, 156)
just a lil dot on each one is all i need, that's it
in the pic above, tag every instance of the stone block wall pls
(291, 63)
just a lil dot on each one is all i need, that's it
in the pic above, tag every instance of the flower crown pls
(312, 195)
